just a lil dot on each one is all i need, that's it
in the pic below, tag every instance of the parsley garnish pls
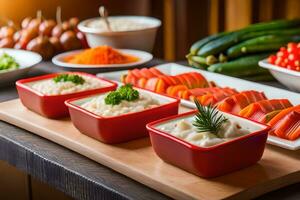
(208, 119)
(78, 80)
(125, 92)
(113, 98)
(128, 93)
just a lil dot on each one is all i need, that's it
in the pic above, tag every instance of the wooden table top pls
(72, 173)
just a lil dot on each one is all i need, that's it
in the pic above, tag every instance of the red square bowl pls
(210, 161)
(53, 106)
(122, 128)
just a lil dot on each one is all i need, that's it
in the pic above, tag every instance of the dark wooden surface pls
(73, 174)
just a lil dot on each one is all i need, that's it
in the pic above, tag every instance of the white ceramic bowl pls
(26, 60)
(142, 39)
(289, 78)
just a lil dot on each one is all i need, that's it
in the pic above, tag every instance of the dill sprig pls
(208, 119)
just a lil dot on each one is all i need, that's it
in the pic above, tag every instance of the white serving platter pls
(143, 56)
(26, 60)
(287, 77)
(223, 81)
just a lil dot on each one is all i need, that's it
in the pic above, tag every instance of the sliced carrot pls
(176, 89)
(198, 81)
(182, 80)
(188, 80)
(151, 84)
(179, 93)
(289, 126)
(174, 80)
(130, 78)
(146, 73)
(207, 99)
(235, 103)
(161, 86)
(186, 95)
(282, 114)
(226, 105)
(137, 73)
(270, 115)
(202, 91)
(201, 79)
(168, 90)
(247, 111)
(167, 80)
(192, 79)
(257, 111)
(295, 135)
(156, 72)
(241, 102)
(142, 82)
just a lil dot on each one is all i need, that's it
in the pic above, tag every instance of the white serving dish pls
(223, 80)
(26, 60)
(289, 78)
(143, 39)
(144, 57)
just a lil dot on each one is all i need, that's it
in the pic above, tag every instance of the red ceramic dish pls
(122, 128)
(53, 106)
(210, 161)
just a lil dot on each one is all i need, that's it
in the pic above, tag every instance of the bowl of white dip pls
(128, 32)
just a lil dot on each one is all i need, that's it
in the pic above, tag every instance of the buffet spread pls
(202, 124)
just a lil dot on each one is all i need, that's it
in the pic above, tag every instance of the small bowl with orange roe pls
(101, 57)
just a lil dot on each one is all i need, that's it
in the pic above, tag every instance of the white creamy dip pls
(97, 105)
(119, 24)
(185, 130)
(50, 87)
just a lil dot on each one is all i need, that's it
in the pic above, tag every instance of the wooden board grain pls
(137, 160)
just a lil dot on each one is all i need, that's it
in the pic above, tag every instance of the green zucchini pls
(250, 35)
(276, 24)
(245, 66)
(197, 65)
(219, 45)
(260, 44)
(198, 59)
(200, 43)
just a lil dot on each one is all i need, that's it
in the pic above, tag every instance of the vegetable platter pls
(234, 84)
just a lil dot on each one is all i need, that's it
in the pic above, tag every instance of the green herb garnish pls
(113, 98)
(128, 93)
(7, 62)
(208, 119)
(125, 92)
(78, 80)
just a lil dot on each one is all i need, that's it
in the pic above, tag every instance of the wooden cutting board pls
(137, 160)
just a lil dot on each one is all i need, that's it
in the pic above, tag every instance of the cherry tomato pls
(272, 59)
(282, 54)
(292, 45)
(278, 61)
(292, 49)
(293, 56)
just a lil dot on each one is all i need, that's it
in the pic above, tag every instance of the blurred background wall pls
(184, 21)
